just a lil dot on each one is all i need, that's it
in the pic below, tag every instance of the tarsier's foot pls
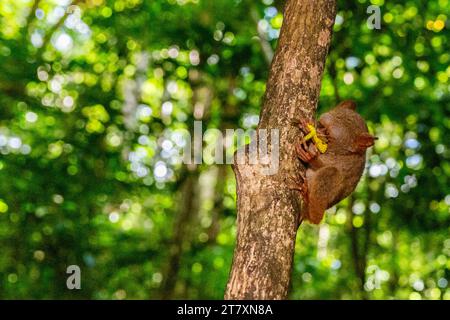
(305, 153)
(298, 183)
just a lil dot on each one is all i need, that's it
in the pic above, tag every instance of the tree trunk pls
(268, 210)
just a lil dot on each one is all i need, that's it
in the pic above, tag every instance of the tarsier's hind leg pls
(324, 186)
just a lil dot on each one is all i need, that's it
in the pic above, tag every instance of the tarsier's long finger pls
(313, 150)
(294, 184)
(304, 124)
(322, 130)
(301, 174)
(303, 153)
(302, 187)
(322, 134)
(308, 157)
(315, 153)
(304, 144)
(305, 158)
(299, 145)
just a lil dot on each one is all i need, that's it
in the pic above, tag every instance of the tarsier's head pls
(346, 127)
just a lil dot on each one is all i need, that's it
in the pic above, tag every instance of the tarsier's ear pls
(364, 141)
(348, 104)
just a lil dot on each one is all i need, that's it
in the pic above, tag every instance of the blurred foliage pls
(93, 91)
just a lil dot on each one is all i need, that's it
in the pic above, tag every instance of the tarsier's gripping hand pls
(316, 135)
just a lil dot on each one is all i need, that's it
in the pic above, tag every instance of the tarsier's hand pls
(304, 124)
(314, 134)
(306, 153)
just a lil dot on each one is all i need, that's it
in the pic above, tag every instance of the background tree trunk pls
(268, 210)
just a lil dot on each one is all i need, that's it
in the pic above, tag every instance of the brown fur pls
(332, 176)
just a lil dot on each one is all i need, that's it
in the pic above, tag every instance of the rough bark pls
(268, 210)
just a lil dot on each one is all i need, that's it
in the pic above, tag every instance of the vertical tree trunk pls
(268, 210)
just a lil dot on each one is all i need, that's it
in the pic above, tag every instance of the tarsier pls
(334, 152)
